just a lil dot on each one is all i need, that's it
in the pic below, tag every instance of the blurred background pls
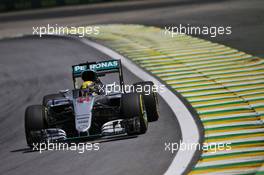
(11, 5)
(246, 18)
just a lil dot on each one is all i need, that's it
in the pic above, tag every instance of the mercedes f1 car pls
(90, 113)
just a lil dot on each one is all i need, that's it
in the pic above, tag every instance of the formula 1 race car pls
(93, 111)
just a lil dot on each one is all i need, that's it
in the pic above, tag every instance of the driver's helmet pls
(86, 84)
(88, 77)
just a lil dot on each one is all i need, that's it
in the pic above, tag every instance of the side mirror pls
(64, 91)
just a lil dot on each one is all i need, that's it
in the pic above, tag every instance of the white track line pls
(189, 129)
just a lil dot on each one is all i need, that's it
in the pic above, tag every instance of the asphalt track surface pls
(32, 67)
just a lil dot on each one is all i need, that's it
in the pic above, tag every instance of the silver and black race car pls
(93, 112)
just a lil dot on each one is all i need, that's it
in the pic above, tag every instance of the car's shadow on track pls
(24, 150)
(30, 150)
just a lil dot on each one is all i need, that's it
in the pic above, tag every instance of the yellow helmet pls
(86, 84)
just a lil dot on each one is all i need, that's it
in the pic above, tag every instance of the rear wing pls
(101, 68)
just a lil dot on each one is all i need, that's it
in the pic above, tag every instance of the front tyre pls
(34, 121)
(150, 99)
(132, 106)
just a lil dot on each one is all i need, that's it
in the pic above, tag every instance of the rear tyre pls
(132, 106)
(49, 97)
(34, 121)
(150, 99)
